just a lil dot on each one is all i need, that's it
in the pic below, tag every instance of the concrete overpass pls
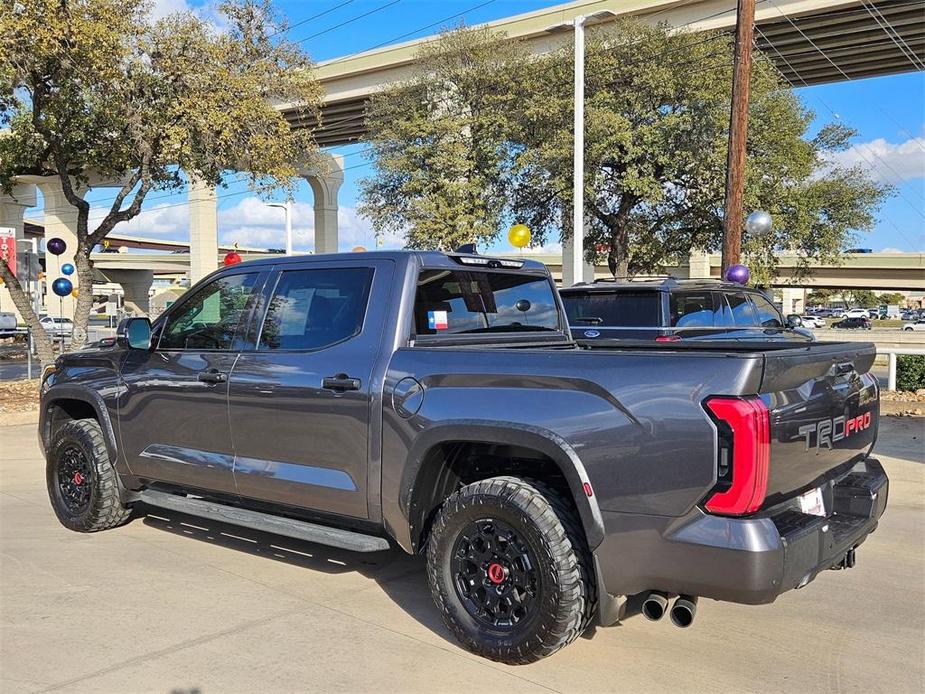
(792, 33)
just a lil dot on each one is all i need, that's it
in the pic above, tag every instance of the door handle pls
(340, 383)
(212, 376)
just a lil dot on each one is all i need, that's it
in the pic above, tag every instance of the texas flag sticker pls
(436, 320)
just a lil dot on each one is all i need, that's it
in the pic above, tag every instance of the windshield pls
(623, 309)
(457, 302)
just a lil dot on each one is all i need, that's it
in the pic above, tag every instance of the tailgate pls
(824, 410)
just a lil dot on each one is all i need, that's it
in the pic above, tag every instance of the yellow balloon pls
(519, 235)
(74, 292)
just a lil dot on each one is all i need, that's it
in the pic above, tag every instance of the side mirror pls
(134, 333)
(794, 321)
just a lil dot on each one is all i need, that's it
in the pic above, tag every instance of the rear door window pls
(691, 309)
(623, 309)
(313, 309)
(459, 302)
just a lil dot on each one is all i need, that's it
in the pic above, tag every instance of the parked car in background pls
(671, 309)
(58, 327)
(862, 323)
(856, 313)
(810, 321)
(7, 324)
(917, 325)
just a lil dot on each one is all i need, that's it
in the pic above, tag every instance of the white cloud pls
(251, 222)
(162, 8)
(887, 161)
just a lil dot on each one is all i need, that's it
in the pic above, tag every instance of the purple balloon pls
(737, 273)
(56, 246)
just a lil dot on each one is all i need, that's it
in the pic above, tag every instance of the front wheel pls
(907, 330)
(81, 480)
(508, 568)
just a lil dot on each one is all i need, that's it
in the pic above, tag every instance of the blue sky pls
(888, 113)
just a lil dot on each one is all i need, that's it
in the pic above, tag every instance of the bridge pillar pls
(793, 300)
(568, 274)
(203, 230)
(326, 181)
(136, 286)
(12, 210)
(60, 222)
(698, 267)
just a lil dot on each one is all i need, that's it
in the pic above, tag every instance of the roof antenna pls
(467, 248)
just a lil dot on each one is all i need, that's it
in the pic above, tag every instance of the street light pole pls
(578, 163)
(287, 207)
(738, 130)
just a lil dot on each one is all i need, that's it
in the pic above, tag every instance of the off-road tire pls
(553, 533)
(103, 509)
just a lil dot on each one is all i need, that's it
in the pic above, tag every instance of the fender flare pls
(540, 439)
(71, 391)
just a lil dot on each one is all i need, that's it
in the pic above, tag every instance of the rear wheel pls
(508, 569)
(81, 480)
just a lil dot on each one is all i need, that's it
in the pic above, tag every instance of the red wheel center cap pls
(78, 478)
(496, 573)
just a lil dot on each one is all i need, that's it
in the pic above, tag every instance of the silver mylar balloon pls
(758, 223)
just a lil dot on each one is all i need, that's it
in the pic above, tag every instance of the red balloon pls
(232, 258)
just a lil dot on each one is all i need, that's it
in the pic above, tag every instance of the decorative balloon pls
(62, 287)
(67, 269)
(75, 292)
(56, 246)
(232, 258)
(737, 273)
(759, 223)
(519, 235)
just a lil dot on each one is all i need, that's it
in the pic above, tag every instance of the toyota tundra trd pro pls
(438, 402)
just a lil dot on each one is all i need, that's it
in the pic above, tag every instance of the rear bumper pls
(747, 560)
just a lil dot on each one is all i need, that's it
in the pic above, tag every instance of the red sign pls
(8, 247)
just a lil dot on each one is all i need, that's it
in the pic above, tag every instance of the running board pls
(255, 520)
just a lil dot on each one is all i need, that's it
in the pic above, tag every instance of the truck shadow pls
(400, 576)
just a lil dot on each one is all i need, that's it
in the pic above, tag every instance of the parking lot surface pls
(175, 604)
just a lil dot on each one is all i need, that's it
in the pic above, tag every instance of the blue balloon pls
(62, 287)
(67, 269)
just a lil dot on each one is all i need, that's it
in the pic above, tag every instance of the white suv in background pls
(813, 321)
(918, 325)
(856, 313)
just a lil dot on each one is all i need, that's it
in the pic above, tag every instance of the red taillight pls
(668, 338)
(749, 423)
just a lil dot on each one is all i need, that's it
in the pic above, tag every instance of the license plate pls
(812, 503)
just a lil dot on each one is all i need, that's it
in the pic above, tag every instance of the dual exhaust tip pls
(682, 611)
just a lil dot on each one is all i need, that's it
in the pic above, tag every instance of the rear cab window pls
(470, 302)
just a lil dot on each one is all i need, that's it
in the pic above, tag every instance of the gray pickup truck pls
(438, 402)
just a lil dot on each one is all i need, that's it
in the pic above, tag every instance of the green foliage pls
(819, 297)
(892, 298)
(439, 143)
(94, 88)
(492, 127)
(864, 298)
(910, 372)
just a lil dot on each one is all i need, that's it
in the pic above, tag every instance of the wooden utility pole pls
(738, 130)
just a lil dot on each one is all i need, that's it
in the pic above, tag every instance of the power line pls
(831, 62)
(424, 28)
(894, 35)
(349, 21)
(835, 115)
(308, 19)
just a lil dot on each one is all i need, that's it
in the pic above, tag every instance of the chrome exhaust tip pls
(655, 606)
(683, 611)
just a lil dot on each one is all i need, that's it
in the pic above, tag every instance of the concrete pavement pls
(175, 604)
